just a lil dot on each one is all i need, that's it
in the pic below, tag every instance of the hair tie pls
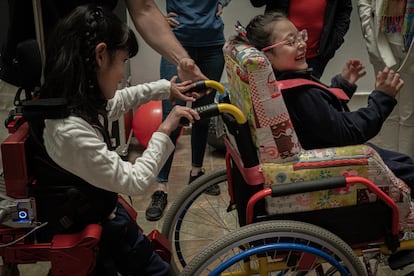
(240, 29)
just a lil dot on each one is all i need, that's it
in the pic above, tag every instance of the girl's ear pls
(269, 55)
(100, 53)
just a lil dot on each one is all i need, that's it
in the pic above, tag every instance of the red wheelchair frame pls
(69, 254)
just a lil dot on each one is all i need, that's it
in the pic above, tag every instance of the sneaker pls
(157, 205)
(194, 177)
(213, 190)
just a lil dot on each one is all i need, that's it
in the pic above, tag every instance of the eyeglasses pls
(301, 36)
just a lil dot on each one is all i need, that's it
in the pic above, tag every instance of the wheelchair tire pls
(196, 219)
(283, 232)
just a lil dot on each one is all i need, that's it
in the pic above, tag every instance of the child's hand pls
(353, 70)
(182, 91)
(389, 82)
(173, 119)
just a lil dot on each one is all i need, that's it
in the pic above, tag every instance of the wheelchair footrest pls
(160, 244)
(401, 259)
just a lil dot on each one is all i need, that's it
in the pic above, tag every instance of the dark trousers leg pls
(124, 249)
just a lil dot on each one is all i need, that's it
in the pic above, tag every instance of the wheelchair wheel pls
(196, 219)
(277, 248)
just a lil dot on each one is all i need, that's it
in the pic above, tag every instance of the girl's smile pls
(289, 48)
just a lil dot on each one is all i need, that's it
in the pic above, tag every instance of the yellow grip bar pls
(233, 110)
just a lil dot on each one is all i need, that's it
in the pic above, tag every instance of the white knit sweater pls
(80, 149)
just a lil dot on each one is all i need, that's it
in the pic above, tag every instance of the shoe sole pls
(153, 219)
(213, 193)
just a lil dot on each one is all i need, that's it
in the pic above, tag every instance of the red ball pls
(147, 119)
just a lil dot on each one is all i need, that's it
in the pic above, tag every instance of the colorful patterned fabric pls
(253, 88)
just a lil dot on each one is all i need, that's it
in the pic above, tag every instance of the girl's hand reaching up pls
(389, 82)
(183, 91)
(173, 119)
(353, 71)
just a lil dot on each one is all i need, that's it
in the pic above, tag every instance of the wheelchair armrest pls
(308, 186)
(88, 237)
(75, 254)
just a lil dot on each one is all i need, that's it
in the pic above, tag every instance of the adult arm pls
(342, 18)
(365, 11)
(367, 18)
(152, 26)
(338, 22)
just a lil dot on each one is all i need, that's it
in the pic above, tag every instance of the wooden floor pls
(178, 178)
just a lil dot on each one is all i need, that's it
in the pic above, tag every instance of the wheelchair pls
(284, 210)
(71, 254)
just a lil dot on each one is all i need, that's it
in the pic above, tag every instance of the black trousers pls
(126, 250)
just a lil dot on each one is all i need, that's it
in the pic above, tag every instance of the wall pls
(145, 66)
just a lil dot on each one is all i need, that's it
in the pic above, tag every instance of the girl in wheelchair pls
(319, 113)
(78, 174)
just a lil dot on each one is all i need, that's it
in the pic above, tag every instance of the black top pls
(319, 118)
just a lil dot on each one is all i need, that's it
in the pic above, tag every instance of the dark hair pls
(259, 30)
(70, 69)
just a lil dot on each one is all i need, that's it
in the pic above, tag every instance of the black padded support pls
(29, 64)
(41, 109)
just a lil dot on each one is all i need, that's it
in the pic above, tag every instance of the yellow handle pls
(223, 107)
(233, 110)
(216, 85)
(210, 84)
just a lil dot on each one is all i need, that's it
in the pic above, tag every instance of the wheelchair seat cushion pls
(360, 160)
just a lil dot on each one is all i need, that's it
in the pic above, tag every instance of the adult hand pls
(171, 19)
(353, 70)
(173, 119)
(188, 70)
(219, 10)
(389, 82)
